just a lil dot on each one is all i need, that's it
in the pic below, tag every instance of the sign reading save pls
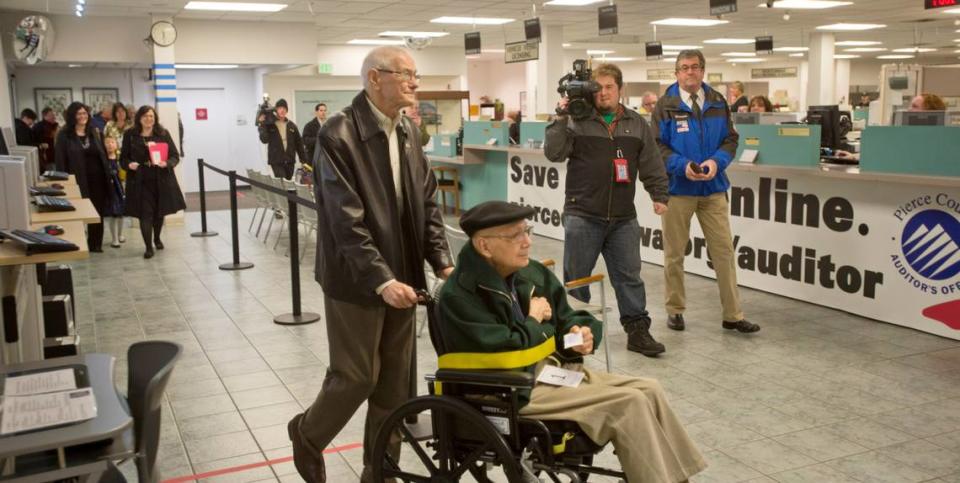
(521, 51)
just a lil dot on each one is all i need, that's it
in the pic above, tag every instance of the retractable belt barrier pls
(297, 316)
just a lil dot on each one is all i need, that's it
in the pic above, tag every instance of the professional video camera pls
(579, 88)
(268, 112)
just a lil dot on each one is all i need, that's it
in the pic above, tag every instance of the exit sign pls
(324, 68)
(928, 4)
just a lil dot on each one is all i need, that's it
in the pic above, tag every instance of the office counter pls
(881, 245)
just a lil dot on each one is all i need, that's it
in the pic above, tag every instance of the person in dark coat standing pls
(379, 222)
(24, 128)
(283, 142)
(312, 129)
(149, 154)
(45, 132)
(79, 151)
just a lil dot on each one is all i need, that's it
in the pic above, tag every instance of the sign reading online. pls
(892, 256)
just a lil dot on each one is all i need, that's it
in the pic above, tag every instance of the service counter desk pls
(881, 245)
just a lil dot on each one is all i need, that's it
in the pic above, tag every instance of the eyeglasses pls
(690, 68)
(405, 75)
(516, 237)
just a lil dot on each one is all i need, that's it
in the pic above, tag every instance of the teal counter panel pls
(533, 130)
(480, 132)
(482, 182)
(918, 150)
(781, 145)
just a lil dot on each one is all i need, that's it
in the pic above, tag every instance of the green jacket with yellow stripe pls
(479, 330)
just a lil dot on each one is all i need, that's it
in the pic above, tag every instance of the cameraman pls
(283, 142)
(607, 152)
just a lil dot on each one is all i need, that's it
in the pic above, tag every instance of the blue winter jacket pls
(683, 138)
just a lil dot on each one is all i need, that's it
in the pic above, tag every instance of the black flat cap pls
(492, 213)
(282, 103)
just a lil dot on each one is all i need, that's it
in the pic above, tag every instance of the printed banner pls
(534, 181)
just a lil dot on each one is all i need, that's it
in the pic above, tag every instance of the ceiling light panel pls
(857, 43)
(724, 41)
(851, 27)
(919, 50)
(895, 56)
(236, 6)
(846, 56)
(682, 47)
(419, 35)
(791, 49)
(739, 54)
(866, 49)
(376, 42)
(807, 4)
(472, 20)
(689, 22)
(599, 52)
(206, 66)
(571, 3)
(749, 60)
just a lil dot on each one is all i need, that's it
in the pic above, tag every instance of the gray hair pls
(380, 58)
(689, 54)
(649, 93)
(738, 86)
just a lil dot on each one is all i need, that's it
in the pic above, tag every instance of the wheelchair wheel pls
(442, 456)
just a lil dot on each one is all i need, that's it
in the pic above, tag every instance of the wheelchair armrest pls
(581, 282)
(517, 379)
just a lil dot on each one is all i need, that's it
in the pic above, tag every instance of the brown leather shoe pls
(309, 465)
(741, 326)
(675, 322)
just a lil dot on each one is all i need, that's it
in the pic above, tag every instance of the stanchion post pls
(296, 317)
(203, 205)
(234, 228)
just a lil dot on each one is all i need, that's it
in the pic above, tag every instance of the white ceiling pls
(339, 21)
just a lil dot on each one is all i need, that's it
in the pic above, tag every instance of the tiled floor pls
(816, 396)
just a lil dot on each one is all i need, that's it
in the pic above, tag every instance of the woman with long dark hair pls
(78, 150)
(150, 155)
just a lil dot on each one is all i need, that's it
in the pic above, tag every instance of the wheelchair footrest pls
(486, 377)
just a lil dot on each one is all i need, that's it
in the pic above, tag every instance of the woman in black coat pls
(152, 188)
(78, 150)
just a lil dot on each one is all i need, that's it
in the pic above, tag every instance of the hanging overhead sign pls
(764, 45)
(654, 50)
(471, 43)
(521, 51)
(607, 19)
(531, 28)
(721, 7)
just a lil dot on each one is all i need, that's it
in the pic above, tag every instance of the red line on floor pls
(250, 466)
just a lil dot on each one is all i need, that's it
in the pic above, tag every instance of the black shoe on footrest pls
(741, 326)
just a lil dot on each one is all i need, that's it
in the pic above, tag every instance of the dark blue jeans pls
(619, 242)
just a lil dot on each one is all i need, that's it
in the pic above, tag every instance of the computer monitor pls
(32, 161)
(828, 117)
(919, 118)
(746, 118)
(14, 211)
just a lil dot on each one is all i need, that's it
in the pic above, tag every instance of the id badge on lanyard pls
(621, 170)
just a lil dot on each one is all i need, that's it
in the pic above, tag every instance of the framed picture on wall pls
(96, 97)
(56, 98)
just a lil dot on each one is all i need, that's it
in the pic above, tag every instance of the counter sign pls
(201, 113)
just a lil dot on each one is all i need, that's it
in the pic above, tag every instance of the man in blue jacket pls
(697, 141)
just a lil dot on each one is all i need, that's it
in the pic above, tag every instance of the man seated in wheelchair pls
(497, 300)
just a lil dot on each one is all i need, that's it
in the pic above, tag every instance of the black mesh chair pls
(476, 428)
(149, 366)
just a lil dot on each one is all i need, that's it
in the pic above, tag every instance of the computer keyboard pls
(44, 190)
(34, 242)
(49, 203)
(56, 175)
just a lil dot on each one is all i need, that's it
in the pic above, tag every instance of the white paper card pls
(572, 340)
(40, 382)
(749, 155)
(558, 376)
(23, 413)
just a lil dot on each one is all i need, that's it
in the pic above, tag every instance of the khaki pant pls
(713, 214)
(633, 414)
(370, 350)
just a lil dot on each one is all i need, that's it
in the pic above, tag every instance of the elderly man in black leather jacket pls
(379, 222)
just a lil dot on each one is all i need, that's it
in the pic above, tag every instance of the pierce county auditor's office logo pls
(931, 245)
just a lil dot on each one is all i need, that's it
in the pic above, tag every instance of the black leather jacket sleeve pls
(345, 210)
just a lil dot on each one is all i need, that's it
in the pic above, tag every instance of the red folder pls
(158, 152)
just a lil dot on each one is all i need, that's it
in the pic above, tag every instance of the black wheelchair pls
(470, 423)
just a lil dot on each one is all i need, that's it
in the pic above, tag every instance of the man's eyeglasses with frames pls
(690, 68)
(516, 237)
(405, 75)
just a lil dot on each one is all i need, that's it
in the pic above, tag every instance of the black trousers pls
(284, 171)
(151, 220)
